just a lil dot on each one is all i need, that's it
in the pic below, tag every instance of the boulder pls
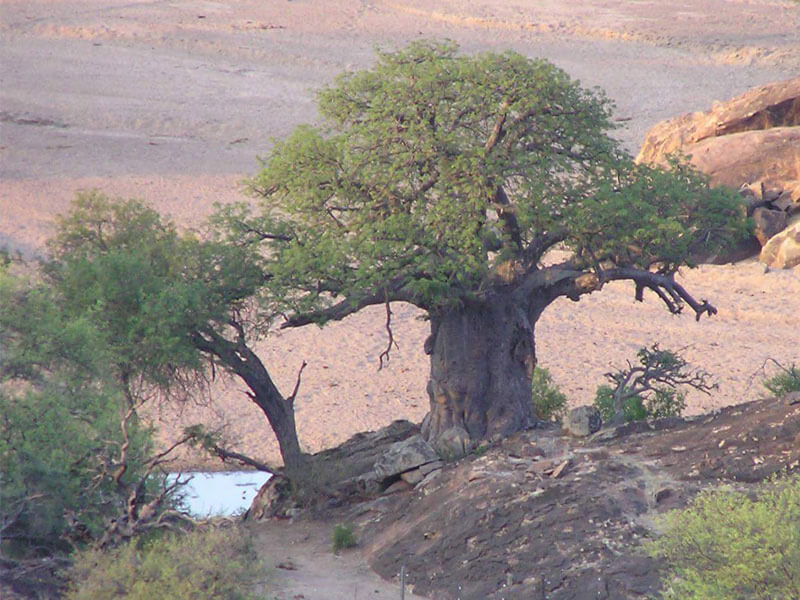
(404, 456)
(768, 223)
(453, 443)
(770, 156)
(783, 250)
(764, 107)
(582, 421)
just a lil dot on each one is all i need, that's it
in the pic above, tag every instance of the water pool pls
(223, 493)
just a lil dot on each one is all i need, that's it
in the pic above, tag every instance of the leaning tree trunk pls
(482, 358)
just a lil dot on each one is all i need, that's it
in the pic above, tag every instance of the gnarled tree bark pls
(482, 359)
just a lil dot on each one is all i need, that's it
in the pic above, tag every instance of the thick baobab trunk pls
(482, 359)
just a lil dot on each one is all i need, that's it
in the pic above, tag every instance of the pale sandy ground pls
(171, 101)
(302, 565)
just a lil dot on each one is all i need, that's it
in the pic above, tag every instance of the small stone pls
(559, 470)
(404, 456)
(430, 467)
(453, 443)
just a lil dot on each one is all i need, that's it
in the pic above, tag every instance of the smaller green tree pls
(728, 545)
(548, 401)
(648, 389)
(77, 467)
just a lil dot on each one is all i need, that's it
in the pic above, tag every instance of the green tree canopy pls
(445, 180)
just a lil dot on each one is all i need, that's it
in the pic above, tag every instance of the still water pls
(224, 493)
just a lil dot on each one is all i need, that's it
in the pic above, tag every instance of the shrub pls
(548, 401)
(649, 388)
(788, 380)
(343, 537)
(213, 564)
(726, 545)
(633, 408)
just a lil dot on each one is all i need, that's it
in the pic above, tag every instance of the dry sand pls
(171, 101)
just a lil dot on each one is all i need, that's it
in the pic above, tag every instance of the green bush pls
(633, 408)
(788, 380)
(648, 387)
(727, 546)
(213, 564)
(343, 537)
(548, 401)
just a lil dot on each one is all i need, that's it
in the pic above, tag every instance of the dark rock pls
(768, 223)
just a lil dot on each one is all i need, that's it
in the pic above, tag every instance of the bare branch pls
(394, 292)
(385, 353)
(296, 389)
(226, 455)
(661, 284)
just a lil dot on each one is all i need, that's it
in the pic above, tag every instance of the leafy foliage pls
(548, 401)
(649, 388)
(217, 564)
(730, 545)
(60, 430)
(785, 381)
(343, 538)
(434, 170)
(121, 265)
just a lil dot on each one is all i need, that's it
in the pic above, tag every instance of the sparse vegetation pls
(649, 389)
(549, 403)
(213, 564)
(343, 538)
(727, 545)
(785, 381)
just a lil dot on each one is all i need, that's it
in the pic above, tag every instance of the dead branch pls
(385, 354)
(296, 389)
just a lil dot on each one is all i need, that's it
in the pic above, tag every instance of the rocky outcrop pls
(544, 516)
(762, 108)
(783, 250)
(751, 141)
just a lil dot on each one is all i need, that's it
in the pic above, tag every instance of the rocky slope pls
(542, 515)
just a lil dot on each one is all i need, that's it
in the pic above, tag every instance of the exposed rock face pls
(765, 107)
(405, 456)
(752, 140)
(582, 421)
(542, 516)
(783, 250)
(771, 156)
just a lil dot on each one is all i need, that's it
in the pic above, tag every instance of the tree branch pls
(392, 293)
(671, 293)
(296, 389)
(543, 286)
(385, 353)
